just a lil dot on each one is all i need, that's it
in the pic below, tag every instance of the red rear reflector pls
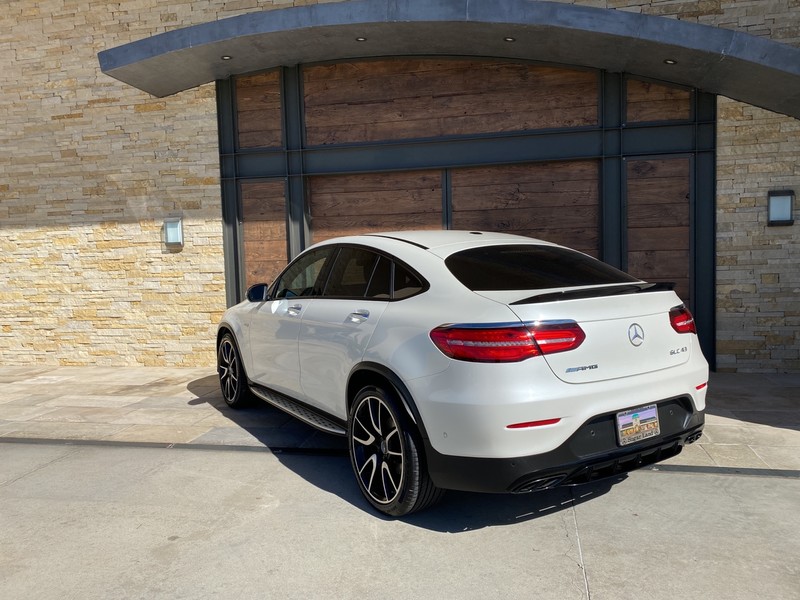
(682, 320)
(506, 344)
(701, 386)
(533, 424)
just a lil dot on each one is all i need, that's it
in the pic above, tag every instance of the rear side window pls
(406, 284)
(530, 267)
(351, 273)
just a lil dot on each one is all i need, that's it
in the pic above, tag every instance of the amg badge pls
(585, 368)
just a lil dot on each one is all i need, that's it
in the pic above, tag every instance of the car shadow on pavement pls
(463, 511)
(458, 512)
(322, 460)
(258, 424)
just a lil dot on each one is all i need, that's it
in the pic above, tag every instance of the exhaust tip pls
(694, 437)
(537, 485)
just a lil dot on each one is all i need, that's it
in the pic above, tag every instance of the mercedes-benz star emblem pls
(636, 334)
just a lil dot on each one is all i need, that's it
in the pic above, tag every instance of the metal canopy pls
(731, 63)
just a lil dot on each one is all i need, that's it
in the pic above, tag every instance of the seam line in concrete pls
(746, 471)
(181, 446)
(580, 547)
(36, 470)
(700, 470)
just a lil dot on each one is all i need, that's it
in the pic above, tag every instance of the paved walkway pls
(150, 406)
(753, 421)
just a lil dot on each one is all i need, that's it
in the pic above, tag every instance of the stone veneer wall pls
(774, 19)
(758, 267)
(89, 167)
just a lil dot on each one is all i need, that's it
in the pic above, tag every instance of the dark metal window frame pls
(612, 141)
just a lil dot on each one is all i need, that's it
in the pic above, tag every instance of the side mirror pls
(258, 293)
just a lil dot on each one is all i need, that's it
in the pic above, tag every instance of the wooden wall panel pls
(355, 204)
(659, 243)
(264, 230)
(370, 101)
(649, 101)
(557, 202)
(258, 104)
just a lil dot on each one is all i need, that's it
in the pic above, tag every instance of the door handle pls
(358, 316)
(294, 310)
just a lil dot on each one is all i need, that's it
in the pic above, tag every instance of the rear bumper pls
(591, 453)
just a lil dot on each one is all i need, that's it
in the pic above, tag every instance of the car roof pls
(440, 243)
(435, 239)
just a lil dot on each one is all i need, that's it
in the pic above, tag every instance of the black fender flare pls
(400, 389)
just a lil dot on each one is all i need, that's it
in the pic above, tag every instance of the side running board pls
(299, 411)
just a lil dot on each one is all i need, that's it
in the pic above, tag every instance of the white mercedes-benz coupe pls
(470, 361)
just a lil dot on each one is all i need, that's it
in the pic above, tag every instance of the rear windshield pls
(530, 267)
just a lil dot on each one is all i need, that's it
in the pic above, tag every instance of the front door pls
(275, 328)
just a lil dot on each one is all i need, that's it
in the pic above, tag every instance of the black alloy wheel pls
(232, 380)
(384, 452)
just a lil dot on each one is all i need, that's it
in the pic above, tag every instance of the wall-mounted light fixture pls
(173, 233)
(780, 207)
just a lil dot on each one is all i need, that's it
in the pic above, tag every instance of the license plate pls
(637, 424)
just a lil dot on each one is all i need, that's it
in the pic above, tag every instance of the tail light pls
(682, 320)
(507, 344)
(557, 337)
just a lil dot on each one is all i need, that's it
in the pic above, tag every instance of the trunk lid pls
(628, 334)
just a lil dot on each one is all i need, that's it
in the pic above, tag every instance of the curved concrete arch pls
(731, 63)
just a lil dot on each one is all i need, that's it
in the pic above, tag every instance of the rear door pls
(337, 327)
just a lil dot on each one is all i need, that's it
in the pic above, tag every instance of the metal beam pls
(568, 144)
(231, 230)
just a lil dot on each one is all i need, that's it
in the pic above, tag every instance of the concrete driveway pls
(140, 483)
(132, 522)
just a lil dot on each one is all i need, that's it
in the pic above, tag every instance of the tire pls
(232, 378)
(386, 455)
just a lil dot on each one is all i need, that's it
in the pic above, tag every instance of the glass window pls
(529, 267)
(351, 273)
(405, 283)
(302, 277)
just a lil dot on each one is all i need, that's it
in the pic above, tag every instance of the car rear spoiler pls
(598, 292)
